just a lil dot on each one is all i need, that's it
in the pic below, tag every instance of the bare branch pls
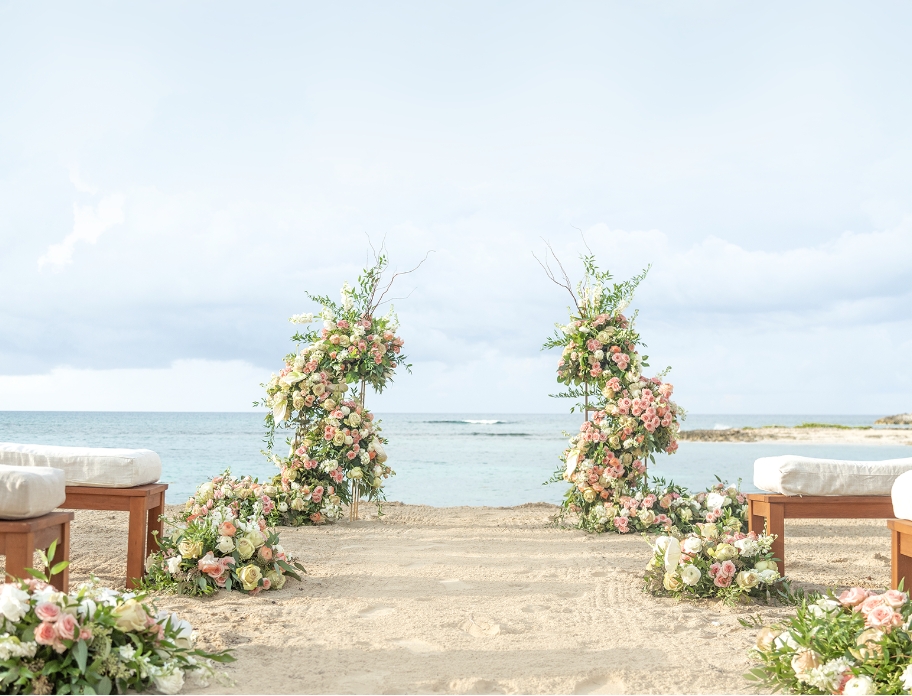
(394, 299)
(583, 236)
(550, 273)
(373, 306)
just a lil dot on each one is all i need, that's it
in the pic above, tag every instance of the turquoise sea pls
(439, 459)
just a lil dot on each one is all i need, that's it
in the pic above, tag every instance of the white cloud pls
(88, 225)
(186, 385)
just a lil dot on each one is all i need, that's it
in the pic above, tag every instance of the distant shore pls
(812, 434)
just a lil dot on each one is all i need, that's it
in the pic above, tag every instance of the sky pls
(175, 175)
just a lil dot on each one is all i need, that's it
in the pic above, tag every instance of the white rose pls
(225, 544)
(661, 543)
(690, 575)
(768, 576)
(859, 686)
(283, 507)
(174, 564)
(692, 545)
(169, 680)
(714, 500)
(599, 354)
(907, 678)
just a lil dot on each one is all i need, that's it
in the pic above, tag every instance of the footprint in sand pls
(418, 647)
(534, 608)
(480, 628)
(372, 612)
(454, 584)
(600, 684)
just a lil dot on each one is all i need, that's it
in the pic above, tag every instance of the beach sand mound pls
(483, 600)
(899, 419)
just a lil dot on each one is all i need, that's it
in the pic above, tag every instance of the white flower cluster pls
(11, 646)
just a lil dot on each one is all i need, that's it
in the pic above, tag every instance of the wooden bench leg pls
(901, 567)
(20, 554)
(155, 525)
(776, 525)
(62, 580)
(755, 521)
(136, 542)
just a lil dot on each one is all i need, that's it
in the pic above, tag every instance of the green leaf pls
(59, 567)
(36, 574)
(82, 654)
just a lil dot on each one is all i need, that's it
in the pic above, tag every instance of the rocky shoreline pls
(810, 435)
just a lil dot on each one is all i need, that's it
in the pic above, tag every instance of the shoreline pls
(816, 436)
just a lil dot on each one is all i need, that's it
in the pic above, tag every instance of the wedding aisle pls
(482, 600)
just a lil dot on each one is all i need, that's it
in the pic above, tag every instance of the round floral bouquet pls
(665, 507)
(93, 640)
(856, 643)
(222, 541)
(722, 505)
(710, 564)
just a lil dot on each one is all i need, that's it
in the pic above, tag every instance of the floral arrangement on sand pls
(334, 437)
(708, 563)
(634, 416)
(856, 643)
(222, 540)
(93, 640)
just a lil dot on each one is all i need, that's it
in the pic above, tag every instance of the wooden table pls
(771, 510)
(145, 505)
(19, 540)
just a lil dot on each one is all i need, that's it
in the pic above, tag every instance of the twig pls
(547, 268)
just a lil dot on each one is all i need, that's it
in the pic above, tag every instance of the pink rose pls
(66, 627)
(85, 634)
(895, 598)
(267, 583)
(47, 611)
(722, 580)
(209, 565)
(883, 617)
(728, 568)
(45, 634)
(853, 597)
(871, 603)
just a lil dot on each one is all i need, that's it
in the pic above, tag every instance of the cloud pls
(88, 225)
(185, 385)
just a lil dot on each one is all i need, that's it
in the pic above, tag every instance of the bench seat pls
(795, 475)
(102, 467)
(27, 492)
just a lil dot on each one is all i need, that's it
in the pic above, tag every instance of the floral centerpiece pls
(709, 564)
(856, 643)
(222, 540)
(355, 348)
(93, 640)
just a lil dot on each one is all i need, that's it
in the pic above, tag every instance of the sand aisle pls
(480, 600)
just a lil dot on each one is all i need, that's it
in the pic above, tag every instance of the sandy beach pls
(482, 600)
(816, 436)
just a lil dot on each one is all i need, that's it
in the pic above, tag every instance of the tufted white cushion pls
(30, 492)
(793, 475)
(88, 466)
(902, 496)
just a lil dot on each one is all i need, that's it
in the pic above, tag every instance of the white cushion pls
(88, 466)
(902, 496)
(793, 475)
(29, 492)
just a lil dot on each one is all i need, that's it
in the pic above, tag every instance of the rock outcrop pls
(900, 419)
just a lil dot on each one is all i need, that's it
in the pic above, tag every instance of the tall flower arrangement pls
(319, 396)
(633, 415)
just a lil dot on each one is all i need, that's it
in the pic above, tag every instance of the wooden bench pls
(144, 503)
(19, 539)
(901, 562)
(770, 510)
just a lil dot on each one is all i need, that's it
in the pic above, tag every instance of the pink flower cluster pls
(653, 411)
(216, 568)
(57, 626)
(723, 573)
(879, 610)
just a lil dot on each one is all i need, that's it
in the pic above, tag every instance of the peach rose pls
(45, 633)
(227, 529)
(882, 617)
(66, 627)
(853, 597)
(47, 611)
(265, 554)
(209, 565)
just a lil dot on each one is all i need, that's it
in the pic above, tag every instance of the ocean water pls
(440, 460)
